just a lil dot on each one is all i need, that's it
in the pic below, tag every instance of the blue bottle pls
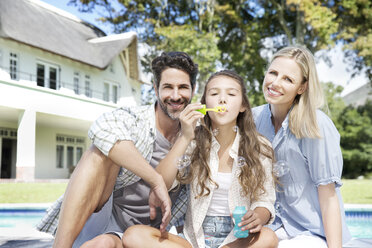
(238, 214)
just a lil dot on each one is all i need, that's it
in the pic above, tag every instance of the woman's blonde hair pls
(252, 146)
(302, 118)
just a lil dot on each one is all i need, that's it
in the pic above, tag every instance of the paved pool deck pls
(31, 238)
(24, 237)
(35, 239)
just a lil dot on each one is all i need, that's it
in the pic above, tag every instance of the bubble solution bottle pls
(238, 214)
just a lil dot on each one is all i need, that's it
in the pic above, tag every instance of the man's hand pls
(159, 198)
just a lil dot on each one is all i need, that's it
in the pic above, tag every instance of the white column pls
(26, 145)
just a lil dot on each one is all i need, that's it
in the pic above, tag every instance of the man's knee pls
(103, 241)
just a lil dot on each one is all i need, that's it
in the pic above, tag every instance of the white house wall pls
(48, 112)
(28, 57)
(46, 150)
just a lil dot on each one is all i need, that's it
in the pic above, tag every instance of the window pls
(79, 153)
(13, 66)
(74, 147)
(76, 83)
(106, 92)
(46, 75)
(60, 149)
(8, 132)
(1, 58)
(40, 75)
(53, 78)
(88, 91)
(115, 93)
(70, 156)
(111, 68)
(110, 92)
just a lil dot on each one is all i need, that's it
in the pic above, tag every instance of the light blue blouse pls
(311, 162)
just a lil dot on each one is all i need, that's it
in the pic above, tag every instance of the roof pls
(359, 96)
(40, 25)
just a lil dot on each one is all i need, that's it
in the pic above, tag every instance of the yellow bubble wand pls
(217, 109)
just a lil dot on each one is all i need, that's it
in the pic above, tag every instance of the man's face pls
(174, 92)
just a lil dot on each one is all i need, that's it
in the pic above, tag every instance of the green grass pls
(357, 191)
(31, 192)
(353, 191)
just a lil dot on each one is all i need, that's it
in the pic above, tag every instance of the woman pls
(228, 168)
(309, 207)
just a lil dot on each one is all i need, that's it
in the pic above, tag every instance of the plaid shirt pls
(136, 124)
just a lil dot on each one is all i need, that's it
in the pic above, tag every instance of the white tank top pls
(219, 205)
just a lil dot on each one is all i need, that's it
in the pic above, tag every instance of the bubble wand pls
(217, 109)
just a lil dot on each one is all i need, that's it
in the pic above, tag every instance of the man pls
(115, 176)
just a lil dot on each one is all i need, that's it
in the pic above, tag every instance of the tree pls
(335, 103)
(354, 127)
(241, 35)
(355, 32)
(356, 142)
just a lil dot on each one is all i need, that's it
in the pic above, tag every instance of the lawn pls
(353, 191)
(357, 191)
(31, 192)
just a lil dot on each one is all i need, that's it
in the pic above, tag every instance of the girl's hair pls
(252, 147)
(302, 118)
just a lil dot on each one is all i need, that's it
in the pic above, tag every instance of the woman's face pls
(224, 91)
(283, 82)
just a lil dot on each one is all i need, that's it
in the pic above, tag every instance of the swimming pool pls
(20, 218)
(358, 220)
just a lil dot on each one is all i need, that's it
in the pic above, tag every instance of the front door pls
(8, 156)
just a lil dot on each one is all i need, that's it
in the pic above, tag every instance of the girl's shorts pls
(216, 229)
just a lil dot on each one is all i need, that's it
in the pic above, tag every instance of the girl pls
(231, 165)
(309, 205)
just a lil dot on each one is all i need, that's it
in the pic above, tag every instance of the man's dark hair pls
(177, 60)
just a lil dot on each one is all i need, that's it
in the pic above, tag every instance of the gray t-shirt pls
(130, 204)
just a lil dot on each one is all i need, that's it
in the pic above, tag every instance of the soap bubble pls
(278, 208)
(183, 162)
(235, 128)
(280, 168)
(215, 132)
(241, 161)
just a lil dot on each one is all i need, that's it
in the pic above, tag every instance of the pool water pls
(359, 222)
(20, 218)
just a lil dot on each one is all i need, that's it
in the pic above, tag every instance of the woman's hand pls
(188, 119)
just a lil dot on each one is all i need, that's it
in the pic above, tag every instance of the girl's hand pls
(251, 221)
(188, 119)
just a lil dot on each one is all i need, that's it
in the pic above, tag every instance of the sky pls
(338, 73)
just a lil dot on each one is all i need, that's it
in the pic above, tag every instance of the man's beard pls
(173, 116)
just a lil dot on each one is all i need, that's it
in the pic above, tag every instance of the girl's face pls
(283, 82)
(224, 91)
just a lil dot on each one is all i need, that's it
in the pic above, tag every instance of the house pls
(57, 75)
(359, 96)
